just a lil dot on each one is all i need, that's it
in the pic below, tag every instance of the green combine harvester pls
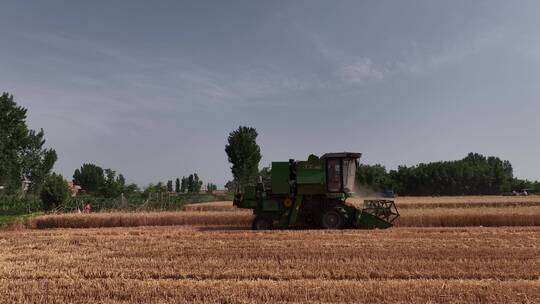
(313, 193)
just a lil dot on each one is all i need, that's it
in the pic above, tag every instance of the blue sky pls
(152, 90)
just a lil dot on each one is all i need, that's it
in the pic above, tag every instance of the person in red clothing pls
(87, 207)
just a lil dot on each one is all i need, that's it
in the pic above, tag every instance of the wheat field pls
(470, 217)
(442, 250)
(415, 202)
(182, 264)
(460, 211)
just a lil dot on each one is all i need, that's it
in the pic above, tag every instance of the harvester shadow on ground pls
(248, 228)
(222, 228)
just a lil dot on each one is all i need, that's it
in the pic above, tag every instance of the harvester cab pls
(313, 193)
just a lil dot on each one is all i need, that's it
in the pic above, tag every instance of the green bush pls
(132, 202)
(179, 203)
(54, 192)
(192, 198)
(16, 205)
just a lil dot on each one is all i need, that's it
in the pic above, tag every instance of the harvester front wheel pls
(261, 223)
(332, 219)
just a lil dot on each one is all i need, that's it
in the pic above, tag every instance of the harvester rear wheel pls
(261, 223)
(332, 219)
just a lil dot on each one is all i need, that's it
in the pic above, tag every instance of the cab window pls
(333, 171)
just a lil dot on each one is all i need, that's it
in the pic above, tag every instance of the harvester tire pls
(261, 223)
(332, 219)
(287, 202)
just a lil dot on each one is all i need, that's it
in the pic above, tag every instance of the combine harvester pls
(313, 193)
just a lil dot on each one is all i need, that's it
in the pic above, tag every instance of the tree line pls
(26, 168)
(105, 182)
(190, 184)
(26, 165)
(475, 174)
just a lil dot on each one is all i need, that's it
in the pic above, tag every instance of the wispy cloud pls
(349, 68)
(358, 69)
(363, 70)
(124, 73)
(421, 59)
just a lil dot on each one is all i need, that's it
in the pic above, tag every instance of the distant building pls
(74, 189)
(218, 192)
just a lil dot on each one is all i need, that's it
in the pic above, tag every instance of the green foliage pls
(211, 187)
(37, 162)
(159, 187)
(231, 187)
(169, 186)
(523, 184)
(191, 184)
(244, 154)
(16, 204)
(90, 177)
(54, 191)
(179, 203)
(22, 152)
(131, 190)
(114, 185)
(13, 134)
(266, 177)
(197, 183)
(177, 185)
(93, 179)
(473, 175)
(184, 185)
(6, 220)
(101, 203)
(138, 201)
(375, 177)
(193, 198)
